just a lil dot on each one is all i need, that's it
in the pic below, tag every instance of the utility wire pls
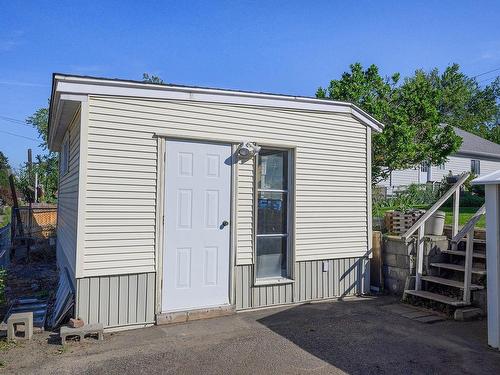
(19, 135)
(488, 79)
(490, 71)
(15, 121)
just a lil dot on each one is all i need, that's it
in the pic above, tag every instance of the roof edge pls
(307, 103)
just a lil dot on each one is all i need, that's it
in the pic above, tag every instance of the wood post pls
(493, 263)
(469, 249)
(456, 212)
(420, 258)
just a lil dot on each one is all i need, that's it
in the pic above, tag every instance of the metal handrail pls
(436, 206)
(469, 225)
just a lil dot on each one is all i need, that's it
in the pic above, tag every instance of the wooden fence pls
(42, 224)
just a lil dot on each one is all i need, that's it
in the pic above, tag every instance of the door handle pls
(225, 223)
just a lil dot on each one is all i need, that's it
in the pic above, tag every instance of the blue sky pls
(289, 47)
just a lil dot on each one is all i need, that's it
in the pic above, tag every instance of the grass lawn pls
(465, 214)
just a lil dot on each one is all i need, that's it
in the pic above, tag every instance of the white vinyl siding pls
(67, 208)
(244, 208)
(456, 164)
(331, 177)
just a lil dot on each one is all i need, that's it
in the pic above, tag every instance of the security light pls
(247, 149)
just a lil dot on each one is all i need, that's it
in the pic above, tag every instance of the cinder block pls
(403, 261)
(468, 313)
(391, 260)
(26, 319)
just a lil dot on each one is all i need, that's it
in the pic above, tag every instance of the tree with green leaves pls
(45, 165)
(5, 195)
(419, 113)
(151, 79)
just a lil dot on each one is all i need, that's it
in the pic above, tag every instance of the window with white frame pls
(64, 157)
(475, 166)
(272, 242)
(442, 166)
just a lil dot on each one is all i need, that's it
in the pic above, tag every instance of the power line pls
(488, 79)
(15, 121)
(482, 74)
(18, 135)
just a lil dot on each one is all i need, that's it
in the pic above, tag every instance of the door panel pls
(197, 202)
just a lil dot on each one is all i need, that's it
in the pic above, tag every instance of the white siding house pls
(476, 155)
(161, 215)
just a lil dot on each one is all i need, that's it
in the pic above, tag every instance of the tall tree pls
(45, 165)
(5, 196)
(418, 112)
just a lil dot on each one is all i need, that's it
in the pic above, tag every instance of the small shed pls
(179, 202)
(492, 194)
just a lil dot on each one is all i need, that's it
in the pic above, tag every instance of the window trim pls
(477, 164)
(290, 217)
(64, 156)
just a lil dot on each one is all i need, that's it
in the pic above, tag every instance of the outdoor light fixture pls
(247, 150)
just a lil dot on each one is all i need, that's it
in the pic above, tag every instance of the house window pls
(442, 166)
(272, 241)
(475, 166)
(424, 167)
(64, 157)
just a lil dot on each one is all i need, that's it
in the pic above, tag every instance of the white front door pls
(196, 227)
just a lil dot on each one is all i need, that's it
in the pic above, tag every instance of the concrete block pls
(390, 260)
(26, 319)
(86, 330)
(397, 273)
(468, 313)
(403, 261)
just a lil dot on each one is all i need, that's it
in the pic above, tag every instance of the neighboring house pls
(476, 155)
(159, 214)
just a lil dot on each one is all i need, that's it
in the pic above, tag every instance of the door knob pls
(225, 223)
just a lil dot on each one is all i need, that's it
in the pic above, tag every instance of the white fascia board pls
(478, 155)
(93, 86)
(492, 178)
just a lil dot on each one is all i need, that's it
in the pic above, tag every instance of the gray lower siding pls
(125, 300)
(120, 300)
(344, 277)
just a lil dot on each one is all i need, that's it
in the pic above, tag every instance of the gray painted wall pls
(119, 300)
(344, 277)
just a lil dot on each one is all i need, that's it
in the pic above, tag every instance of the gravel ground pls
(355, 336)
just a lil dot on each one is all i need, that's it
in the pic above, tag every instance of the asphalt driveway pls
(355, 336)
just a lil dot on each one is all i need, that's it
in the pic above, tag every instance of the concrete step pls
(436, 297)
(462, 253)
(458, 267)
(449, 282)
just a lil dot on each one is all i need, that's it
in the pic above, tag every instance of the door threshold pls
(194, 314)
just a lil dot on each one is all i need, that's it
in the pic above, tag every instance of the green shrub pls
(467, 199)
(415, 196)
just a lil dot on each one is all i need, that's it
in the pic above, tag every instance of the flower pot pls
(435, 224)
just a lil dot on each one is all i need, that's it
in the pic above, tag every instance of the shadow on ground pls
(363, 337)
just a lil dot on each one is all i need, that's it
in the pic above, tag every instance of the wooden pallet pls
(398, 222)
